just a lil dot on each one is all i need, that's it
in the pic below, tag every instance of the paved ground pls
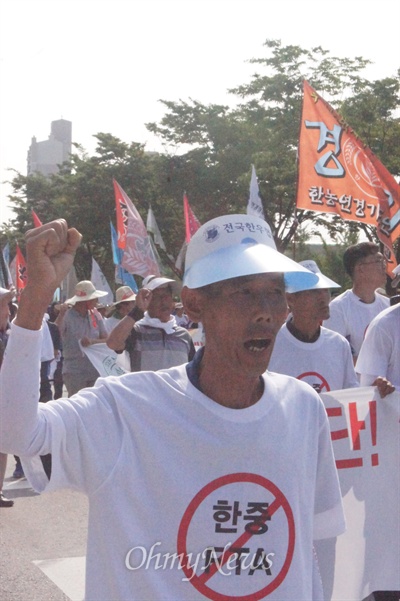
(42, 543)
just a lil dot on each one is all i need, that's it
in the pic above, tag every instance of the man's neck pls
(304, 330)
(241, 392)
(364, 292)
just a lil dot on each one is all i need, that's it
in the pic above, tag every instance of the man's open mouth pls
(257, 345)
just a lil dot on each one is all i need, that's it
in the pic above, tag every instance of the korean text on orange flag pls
(339, 174)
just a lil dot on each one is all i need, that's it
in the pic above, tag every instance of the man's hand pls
(50, 252)
(384, 386)
(143, 299)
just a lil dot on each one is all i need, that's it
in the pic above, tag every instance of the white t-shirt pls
(380, 351)
(325, 364)
(169, 472)
(110, 323)
(351, 317)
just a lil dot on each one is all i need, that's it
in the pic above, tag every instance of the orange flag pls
(36, 220)
(21, 273)
(339, 174)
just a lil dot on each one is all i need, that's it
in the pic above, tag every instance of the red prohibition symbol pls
(200, 582)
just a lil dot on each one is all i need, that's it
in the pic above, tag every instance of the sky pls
(105, 64)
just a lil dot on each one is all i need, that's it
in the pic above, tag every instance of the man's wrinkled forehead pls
(240, 281)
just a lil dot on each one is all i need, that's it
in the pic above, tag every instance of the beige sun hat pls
(85, 291)
(124, 294)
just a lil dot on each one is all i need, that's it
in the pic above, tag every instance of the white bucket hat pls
(85, 291)
(151, 282)
(236, 245)
(124, 294)
(323, 280)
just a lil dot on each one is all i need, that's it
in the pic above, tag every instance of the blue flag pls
(121, 275)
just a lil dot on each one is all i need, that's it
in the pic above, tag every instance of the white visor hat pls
(151, 282)
(323, 280)
(237, 245)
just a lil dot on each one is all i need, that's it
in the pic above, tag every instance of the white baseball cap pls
(323, 280)
(151, 282)
(236, 245)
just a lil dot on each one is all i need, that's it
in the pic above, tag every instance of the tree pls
(263, 130)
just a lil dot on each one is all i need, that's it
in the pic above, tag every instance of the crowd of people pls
(185, 420)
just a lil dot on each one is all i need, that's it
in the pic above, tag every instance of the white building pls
(46, 157)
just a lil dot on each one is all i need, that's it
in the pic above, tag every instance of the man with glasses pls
(352, 311)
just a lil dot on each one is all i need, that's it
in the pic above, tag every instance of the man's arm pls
(118, 335)
(50, 253)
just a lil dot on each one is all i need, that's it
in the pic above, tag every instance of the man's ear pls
(192, 302)
(289, 297)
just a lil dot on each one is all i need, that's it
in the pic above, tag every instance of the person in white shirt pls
(380, 351)
(352, 311)
(306, 350)
(206, 480)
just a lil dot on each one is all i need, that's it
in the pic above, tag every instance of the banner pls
(365, 438)
(99, 281)
(138, 257)
(104, 359)
(254, 205)
(339, 174)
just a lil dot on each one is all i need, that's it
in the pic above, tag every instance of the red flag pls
(21, 273)
(138, 257)
(339, 174)
(36, 220)
(192, 224)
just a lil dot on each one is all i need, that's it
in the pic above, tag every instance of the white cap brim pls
(160, 281)
(247, 259)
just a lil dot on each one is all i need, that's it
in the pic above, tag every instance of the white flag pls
(365, 439)
(254, 206)
(99, 281)
(153, 228)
